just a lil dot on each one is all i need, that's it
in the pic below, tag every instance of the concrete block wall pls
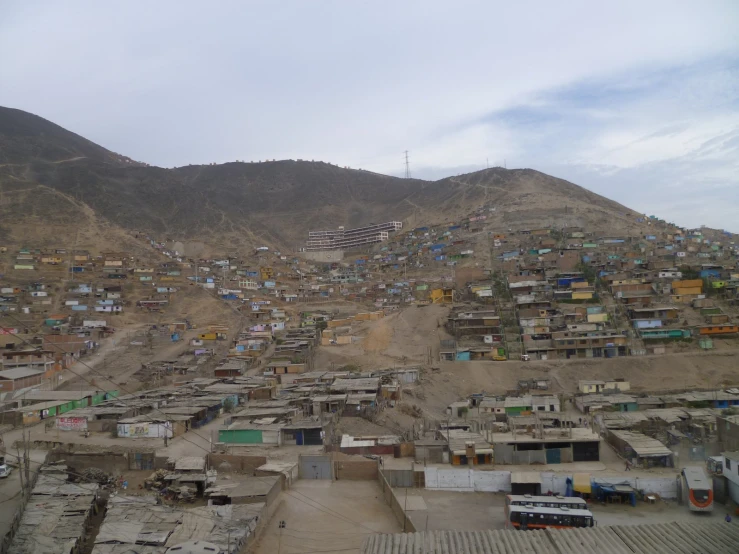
(241, 464)
(355, 470)
(555, 482)
(395, 504)
(470, 480)
(467, 480)
(79, 461)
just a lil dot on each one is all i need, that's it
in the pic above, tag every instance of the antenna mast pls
(407, 166)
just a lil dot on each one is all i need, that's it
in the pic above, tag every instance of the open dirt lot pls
(325, 516)
(401, 338)
(410, 335)
(661, 512)
(463, 511)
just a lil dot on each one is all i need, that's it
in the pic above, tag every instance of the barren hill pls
(49, 171)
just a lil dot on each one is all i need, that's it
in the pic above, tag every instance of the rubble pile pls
(96, 475)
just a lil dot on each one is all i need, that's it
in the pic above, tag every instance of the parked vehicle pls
(696, 489)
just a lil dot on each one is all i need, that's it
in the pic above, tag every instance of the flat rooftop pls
(579, 434)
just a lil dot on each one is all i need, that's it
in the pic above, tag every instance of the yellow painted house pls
(51, 259)
(442, 296)
(687, 286)
(582, 295)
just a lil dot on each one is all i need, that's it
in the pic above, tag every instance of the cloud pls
(600, 92)
(661, 140)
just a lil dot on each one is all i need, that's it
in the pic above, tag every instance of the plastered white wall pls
(467, 480)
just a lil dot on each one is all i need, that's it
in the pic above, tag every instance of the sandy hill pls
(57, 176)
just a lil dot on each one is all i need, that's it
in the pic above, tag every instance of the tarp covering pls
(582, 483)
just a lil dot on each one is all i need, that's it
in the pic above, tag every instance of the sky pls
(637, 101)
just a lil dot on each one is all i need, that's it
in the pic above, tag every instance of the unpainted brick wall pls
(355, 470)
(77, 462)
(241, 464)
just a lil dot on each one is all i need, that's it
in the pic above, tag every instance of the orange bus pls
(525, 517)
(696, 489)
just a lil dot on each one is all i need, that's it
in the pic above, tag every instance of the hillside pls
(50, 173)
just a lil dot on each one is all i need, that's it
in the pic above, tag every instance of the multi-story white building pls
(341, 239)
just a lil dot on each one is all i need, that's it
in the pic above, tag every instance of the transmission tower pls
(407, 166)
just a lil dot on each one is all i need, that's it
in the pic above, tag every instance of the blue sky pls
(637, 101)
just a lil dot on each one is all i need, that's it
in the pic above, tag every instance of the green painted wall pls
(64, 408)
(240, 436)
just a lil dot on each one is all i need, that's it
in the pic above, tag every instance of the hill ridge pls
(275, 201)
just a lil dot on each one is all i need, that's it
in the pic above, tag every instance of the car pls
(5, 471)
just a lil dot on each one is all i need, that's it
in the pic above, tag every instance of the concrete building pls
(20, 378)
(467, 448)
(546, 446)
(341, 239)
(727, 428)
(595, 386)
(731, 472)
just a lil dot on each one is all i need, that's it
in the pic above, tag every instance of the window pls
(728, 463)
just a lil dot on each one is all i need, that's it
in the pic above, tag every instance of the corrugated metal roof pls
(660, 538)
(642, 444)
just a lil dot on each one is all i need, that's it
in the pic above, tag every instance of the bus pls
(573, 503)
(696, 489)
(529, 517)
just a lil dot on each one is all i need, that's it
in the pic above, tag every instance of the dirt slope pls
(274, 202)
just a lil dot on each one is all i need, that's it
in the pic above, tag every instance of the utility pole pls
(407, 166)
